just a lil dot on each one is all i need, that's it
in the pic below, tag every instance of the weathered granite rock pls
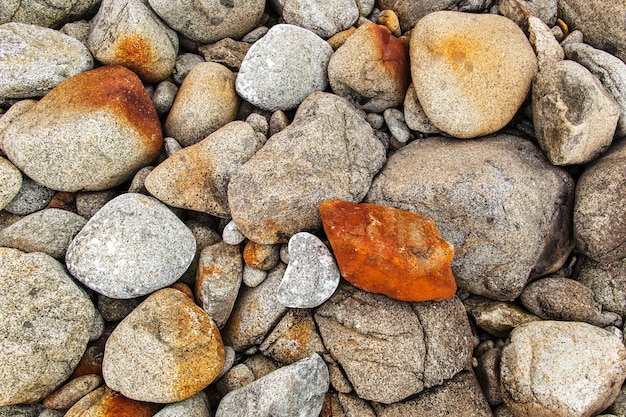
(520, 11)
(402, 348)
(325, 19)
(255, 313)
(129, 33)
(11, 180)
(479, 66)
(45, 14)
(574, 115)
(205, 102)
(601, 22)
(45, 323)
(272, 76)
(547, 48)
(165, 351)
(607, 280)
(227, 52)
(104, 402)
(371, 69)
(497, 200)
(460, 397)
(31, 198)
(414, 115)
(49, 231)
(210, 21)
(488, 375)
(388, 251)
(261, 256)
(297, 390)
(312, 275)
(294, 338)
(197, 177)
(220, 271)
(194, 406)
(496, 317)
(611, 71)
(66, 396)
(409, 12)
(33, 60)
(277, 192)
(551, 368)
(131, 247)
(92, 132)
(599, 212)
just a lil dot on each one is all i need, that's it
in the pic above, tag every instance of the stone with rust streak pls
(92, 132)
(164, 351)
(371, 69)
(259, 256)
(104, 402)
(129, 33)
(388, 251)
(479, 66)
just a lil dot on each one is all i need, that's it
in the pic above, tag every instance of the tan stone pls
(205, 102)
(66, 396)
(105, 402)
(471, 72)
(166, 350)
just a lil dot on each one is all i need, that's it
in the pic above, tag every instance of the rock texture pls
(561, 368)
(371, 69)
(129, 33)
(276, 193)
(324, 21)
(574, 115)
(479, 66)
(388, 251)
(402, 348)
(104, 402)
(165, 351)
(92, 132)
(11, 180)
(131, 247)
(44, 14)
(34, 60)
(599, 212)
(271, 75)
(497, 200)
(45, 323)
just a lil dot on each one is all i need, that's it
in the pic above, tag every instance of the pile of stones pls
(375, 208)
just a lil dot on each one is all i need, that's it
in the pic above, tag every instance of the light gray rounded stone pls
(505, 209)
(296, 390)
(12, 115)
(231, 234)
(46, 14)
(211, 20)
(607, 280)
(237, 377)
(49, 231)
(11, 181)
(79, 30)
(394, 119)
(194, 406)
(184, 64)
(253, 277)
(272, 75)
(414, 115)
(520, 11)
(547, 48)
(312, 275)
(329, 151)
(599, 210)
(164, 96)
(129, 33)
(33, 59)
(610, 70)
(32, 197)
(45, 323)
(132, 246)
(21, 410)
(323, 19)
(552, 368)
(574, 115)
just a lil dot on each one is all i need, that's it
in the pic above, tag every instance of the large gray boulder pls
(497, 200)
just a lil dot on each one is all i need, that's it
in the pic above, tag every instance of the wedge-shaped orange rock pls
(388, 251)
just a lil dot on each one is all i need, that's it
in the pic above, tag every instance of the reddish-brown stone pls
(104, 402)
(388, 251)
(64, 201)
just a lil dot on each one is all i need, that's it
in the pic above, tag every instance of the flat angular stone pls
(131, 247)
(297, 390)
(388, 251)
(92, 132)
(165, 351)
(45, 324)
(33, 60)
(329, 151)
(476, 65)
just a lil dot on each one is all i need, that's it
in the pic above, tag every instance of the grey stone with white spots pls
(132, 246)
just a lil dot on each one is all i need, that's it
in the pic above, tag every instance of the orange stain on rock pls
(135, 53)
(104, 402)
(459, 52)
(388, 251)
(394, 54)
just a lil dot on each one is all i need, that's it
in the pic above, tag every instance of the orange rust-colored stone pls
(395, 56)
(64, 201)
(111, 87)
(104, 402)
(184, 288)
(90, 363)
(135, 53)
(388, 251)
(261, 256)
